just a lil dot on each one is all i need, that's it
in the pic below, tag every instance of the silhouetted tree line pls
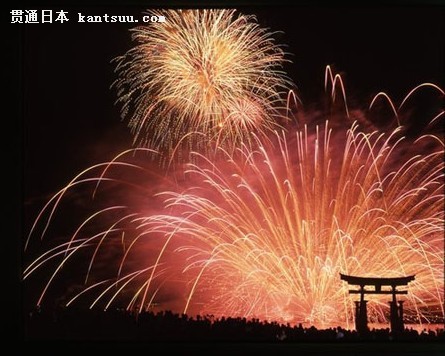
(81, 324)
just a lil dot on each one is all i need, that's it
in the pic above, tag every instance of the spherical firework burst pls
(265, 232)
(201, 78)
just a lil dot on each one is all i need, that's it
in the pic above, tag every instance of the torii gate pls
(396, 312)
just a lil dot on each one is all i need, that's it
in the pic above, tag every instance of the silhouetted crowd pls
(81, 324)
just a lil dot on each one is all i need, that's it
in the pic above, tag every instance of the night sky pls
(70, 120)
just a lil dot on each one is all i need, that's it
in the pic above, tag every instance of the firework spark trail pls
(283, 229)
(207, 72)
(266, 233)
(263, 228)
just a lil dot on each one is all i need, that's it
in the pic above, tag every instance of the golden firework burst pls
(203, 78)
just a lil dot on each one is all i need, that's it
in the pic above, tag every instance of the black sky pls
(71, 122)
(69, 118)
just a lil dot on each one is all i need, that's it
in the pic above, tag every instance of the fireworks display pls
(262, 224)
(204, 76)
